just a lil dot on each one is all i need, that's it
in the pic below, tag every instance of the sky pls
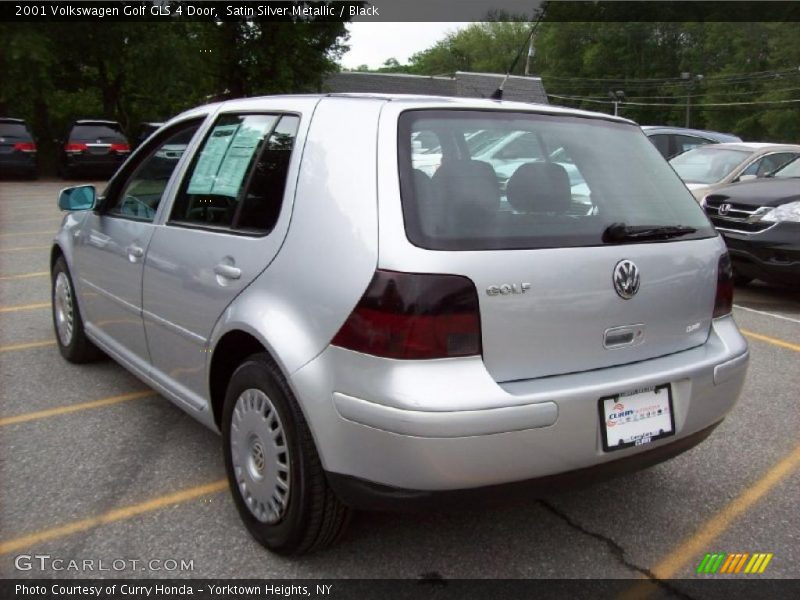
(373, 43)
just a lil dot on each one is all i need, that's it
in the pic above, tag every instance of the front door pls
(112, 245)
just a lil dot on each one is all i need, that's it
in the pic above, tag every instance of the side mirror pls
(81, 197)
(747, 177)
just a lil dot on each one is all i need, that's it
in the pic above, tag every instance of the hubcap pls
(63, 309)
(260, 456)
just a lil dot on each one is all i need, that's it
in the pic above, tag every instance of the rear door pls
(222, 231)
(555, 296)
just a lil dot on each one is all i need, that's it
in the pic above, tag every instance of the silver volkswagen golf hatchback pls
(374, 318)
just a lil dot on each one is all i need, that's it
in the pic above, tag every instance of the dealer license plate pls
(636, 418)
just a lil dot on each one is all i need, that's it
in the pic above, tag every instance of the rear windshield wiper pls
(620, 232)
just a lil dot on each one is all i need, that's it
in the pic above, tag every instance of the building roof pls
(463, 84)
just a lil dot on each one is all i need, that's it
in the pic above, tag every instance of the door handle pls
(228, 271)
(135, 253)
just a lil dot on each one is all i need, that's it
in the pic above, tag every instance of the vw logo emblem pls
(626, 279)
(724, 208)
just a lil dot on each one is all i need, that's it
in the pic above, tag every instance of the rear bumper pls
(366, 495)
(18, 162)
(99, 162)
(773, 255)
(446, 425)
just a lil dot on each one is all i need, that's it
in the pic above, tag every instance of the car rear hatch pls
(600, 258)
(13, 133)
(100, 138)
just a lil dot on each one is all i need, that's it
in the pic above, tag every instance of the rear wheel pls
(67, 322)
(273, 468)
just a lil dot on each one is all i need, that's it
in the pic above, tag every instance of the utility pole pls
(531, 52)
(696, 79)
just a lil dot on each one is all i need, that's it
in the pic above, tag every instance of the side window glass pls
(661, 142)
(773, 162)
(212, 190)
(262, 202)
(142, 192)
(753, 168)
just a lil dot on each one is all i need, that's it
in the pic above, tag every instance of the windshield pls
(544, 182)
(707, 164)
(792, 169)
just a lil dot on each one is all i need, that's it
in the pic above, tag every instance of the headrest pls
(540, 187)
(468, 184)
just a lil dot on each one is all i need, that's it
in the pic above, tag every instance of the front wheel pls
(273, 468)
(67, 322)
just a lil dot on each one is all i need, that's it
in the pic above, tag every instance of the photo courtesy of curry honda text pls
(366, 333)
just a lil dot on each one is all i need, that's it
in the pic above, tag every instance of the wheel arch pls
(55, 253)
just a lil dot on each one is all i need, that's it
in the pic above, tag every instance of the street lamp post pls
(617, 97)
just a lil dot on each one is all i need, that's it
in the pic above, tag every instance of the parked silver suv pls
(368, 334)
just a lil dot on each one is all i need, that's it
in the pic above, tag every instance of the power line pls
(710, 92)
(663, 80)
(675, 104)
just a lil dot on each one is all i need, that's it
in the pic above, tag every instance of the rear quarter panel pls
(330, 252)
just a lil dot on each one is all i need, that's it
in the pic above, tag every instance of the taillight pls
(723, 302)
(75, 147)
(414, 316)
(120, 148)
(25, 147)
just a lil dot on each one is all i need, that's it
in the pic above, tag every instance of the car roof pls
(410, 101)
(95, 122)
(704, 133)
(754, 146)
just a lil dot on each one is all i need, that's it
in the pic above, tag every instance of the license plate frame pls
(638, 400)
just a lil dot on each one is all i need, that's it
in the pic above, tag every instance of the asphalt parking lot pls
(93, 465)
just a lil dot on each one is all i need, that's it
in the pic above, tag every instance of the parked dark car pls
(671, 141)
(760, 221)
(93, 147)
(17, 148)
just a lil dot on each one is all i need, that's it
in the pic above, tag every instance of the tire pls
(67, 321)
(273, 468)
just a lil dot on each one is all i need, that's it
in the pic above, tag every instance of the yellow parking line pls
(24, 248)
(698, 543)
(112, 516)
(22, 307)
(15, 222)
(27, 233)
(27, 345)
(63, 410)
(25, 275)
(771, 340)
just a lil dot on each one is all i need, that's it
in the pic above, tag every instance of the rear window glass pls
(91, 132)
(520, 180)
(15, 130)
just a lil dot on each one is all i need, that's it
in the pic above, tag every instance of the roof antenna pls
(498, 93)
